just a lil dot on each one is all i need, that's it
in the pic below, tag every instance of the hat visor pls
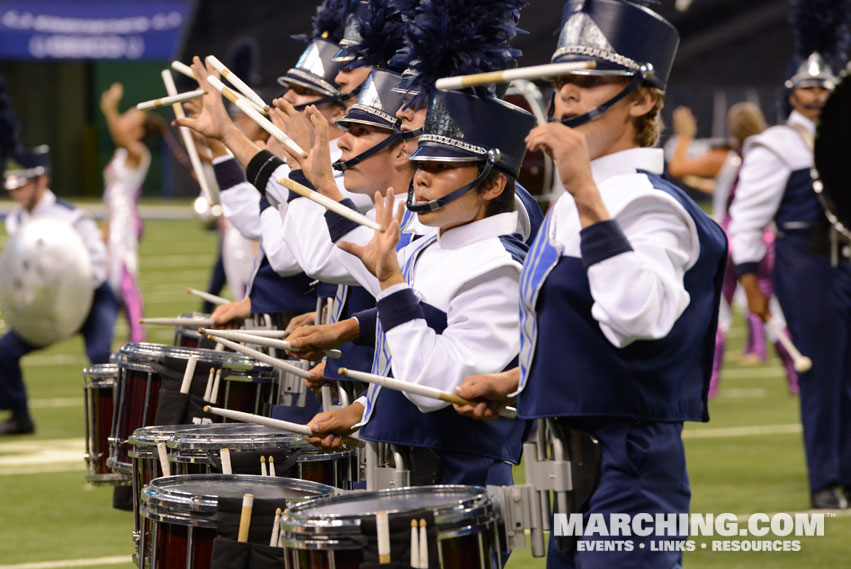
(339, 57)
(814, 82)
(434, 152)
(289, 81)
(356, 116)
(602, 66)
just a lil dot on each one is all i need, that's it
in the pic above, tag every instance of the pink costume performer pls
(123, 186)
(725, 189)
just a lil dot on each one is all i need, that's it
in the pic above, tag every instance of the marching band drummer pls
(433, 325)
(27, 181)
(775, 186)
(623, 281)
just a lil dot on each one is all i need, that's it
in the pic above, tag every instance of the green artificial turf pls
(46, 516)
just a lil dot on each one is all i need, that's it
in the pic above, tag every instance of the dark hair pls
(504, 202)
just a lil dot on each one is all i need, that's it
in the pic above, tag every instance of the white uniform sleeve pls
(240, 201)
(762, 181)
(480, 337)
(280, 257)
(90, 233)
(639, 294)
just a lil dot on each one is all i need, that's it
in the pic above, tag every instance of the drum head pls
(831, 157)
(147, 436)
(175, 357)
(237, 437)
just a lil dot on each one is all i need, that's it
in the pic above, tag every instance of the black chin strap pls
(599, 111)
(451, 197)
(343, 165)
(342, 98)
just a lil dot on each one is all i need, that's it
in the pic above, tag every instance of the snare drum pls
(141, 373)
(326, 532)
(190, 338)
(98, 392)
(181, 511)
(193, 451)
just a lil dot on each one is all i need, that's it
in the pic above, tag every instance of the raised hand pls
(685, 124)
(317, 165)
(296, 125)
(212, 121)
(379, 255)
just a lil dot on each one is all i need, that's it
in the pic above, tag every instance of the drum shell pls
(99, 397)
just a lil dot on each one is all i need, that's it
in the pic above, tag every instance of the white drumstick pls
(416, 389)
(327, 400)
(184, 322)
(330, 204)
(802, 363)
(170, 100)
(211, 298)
(208, 391)
(508, 75)
(188, 141)
(275, 528)
(182, 68)
(250, 337)
(214, 395)
(256, 116)
(415, 545)
(225, 455)
(382, 527)
(163, 455)
(240, 85)
(263, 471)
(272, 466)
(265, 358)
(189, 373)
(273, 423)
(245, 517)
(423, 545)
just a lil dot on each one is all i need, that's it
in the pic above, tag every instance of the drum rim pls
(101, 371)
(140, 353)
(476, 505)
(150, 437)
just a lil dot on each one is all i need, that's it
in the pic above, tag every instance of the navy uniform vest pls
(569, 368)
(272, 294)
(396, 420)
(800, 202)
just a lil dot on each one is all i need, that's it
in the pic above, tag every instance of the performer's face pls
(373, 174)
(433, 180)
(297, 95)
(614, 130)
(809, 101)
(30, 193)
(351, 79)
(412, 119)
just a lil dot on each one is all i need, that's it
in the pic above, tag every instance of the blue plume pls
(822, 26)
(10, 129)
(329, 22)
(458, 37)
(382, 30)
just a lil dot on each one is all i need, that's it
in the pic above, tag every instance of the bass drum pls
(831, 180)
(537, 172)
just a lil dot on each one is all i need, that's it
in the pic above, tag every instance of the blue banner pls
(92, 29)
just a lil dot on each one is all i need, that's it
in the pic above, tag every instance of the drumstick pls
(801, 363)
(237, 82)
(508, 75)
(273, 423)
(272, 466)
(423, 545)
(281, 534)
(416, 389)
(415, 546)
(184, 322)
(181, 67)
(275, 528)
(188, 141)
(225, 455)
(382, 527)
(250, 337)
(164, 465)
(170, 100)
(208, 391)
(330, 204)
(245, 518)
(212, 298)
(214, 395)
(256, 116)
(189, 373)
(219, 347)
(263, 466)
(274, 362)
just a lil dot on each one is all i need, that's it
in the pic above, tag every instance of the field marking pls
(44, 469)
(55, 359)
(42, 452)
(742, 393)
(724, 432)
(92, 562)
(53, 402)
(753, 373)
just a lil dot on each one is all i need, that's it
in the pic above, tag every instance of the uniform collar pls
(797, 118)
(493, 226)
(627, 162)
(47, 201)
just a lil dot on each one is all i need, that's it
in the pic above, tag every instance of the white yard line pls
(50, 403)
(754, 430)
(35, 452)
(752, 373)
(92, 562)
(741, 393)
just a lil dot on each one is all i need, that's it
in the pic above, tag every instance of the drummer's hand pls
(313, 339)
(329, 427)
(379, 255)
(490, 391)
(232, 314)
(757, 301)
(296, 125)
(212, 121)
(316, 378)
(306, 319)
(317, 165)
